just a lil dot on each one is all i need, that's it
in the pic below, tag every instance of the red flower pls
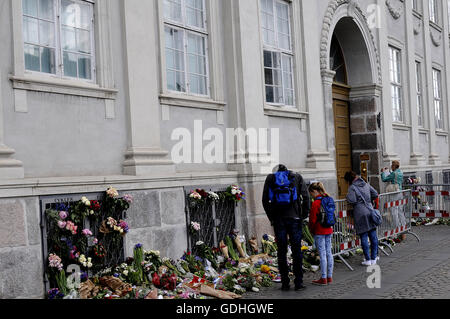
(156, 280)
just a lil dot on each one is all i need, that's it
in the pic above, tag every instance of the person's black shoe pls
(285, 287)
(299, 287)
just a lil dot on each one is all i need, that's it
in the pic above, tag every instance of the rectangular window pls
(446, 180)
(419, 99)
(186, 40)
(396, 84)
(278, 55)
(58, 37)
(437, 95)
(433, 7)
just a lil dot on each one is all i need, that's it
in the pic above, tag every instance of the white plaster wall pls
(402, 145)
(293, 141)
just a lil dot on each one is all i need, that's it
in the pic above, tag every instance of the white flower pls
(255, 289)
(199, 243)
(125, 272)
(233, 191)
(213, 195)
(91, 212)
(195, 195)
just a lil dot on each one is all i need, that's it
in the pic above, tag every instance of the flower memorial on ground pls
(226, 272)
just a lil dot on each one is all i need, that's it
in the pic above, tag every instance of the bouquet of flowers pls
(231, 250)
(235, 193)
(206, 253)
(269, 245)
(194, 228)
(200, 195)
(56, 265)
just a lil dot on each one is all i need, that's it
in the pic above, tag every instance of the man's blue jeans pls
(292, 228)
(372, 253)
(323, 244)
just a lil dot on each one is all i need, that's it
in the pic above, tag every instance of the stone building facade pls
(93, 93)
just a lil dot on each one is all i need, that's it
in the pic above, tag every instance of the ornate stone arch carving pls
(354, 11)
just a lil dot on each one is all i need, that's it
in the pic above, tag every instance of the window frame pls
(59, 64)
(398, 85)
(276, 49)
(203, 32)
(419, 95)
(438, 99)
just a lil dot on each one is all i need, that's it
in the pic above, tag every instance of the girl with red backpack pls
(322, 234)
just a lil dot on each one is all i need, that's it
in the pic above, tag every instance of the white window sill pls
(417, 14)
(424, 130)
(436, 26)
(61, 86)
(191, 101)
(284, 111)
(401, 127)
(441, 133)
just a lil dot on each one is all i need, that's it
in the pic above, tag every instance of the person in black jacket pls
(287, 221)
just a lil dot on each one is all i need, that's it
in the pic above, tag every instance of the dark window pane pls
(48, 60)
(268, 76)
(267, 59)
(84, 68)
(269, 94)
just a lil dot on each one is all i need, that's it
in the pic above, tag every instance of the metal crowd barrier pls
(396, 209)
(431, 201)
(344, 237)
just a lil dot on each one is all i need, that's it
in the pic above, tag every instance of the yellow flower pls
(304, 248)
(265, 269)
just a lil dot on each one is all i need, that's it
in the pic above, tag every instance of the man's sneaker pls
(329, 280)
(320, 282)
(299, 287)
(366, 263)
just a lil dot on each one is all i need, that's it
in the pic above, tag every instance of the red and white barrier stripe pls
(431, 193)
(431, 213)
(396, 203)
(395, 231)
(350, 244)
(343, 214)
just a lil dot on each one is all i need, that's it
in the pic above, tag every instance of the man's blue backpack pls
(283, 191)
(326, 215)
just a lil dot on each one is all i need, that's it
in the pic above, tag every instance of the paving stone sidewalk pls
(415, 270)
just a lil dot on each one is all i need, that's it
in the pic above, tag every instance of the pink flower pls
(70, 226)
(55, 262)
(61, 224)
(128, 198)
(63, 215)
(95, 241)
(86, 232)
(112, 192)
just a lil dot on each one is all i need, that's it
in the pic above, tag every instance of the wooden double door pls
(341, 112)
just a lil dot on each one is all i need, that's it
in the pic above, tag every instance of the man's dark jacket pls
(300, 210)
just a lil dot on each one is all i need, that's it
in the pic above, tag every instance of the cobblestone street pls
(416, 270)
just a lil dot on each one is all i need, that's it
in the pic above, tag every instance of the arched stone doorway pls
(352, 88)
